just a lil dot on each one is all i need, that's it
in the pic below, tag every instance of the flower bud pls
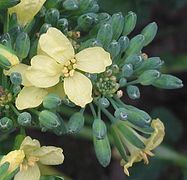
(102, 150)
(133, 92)
(90, 43)
(53, 4)
(117, 22)
(24, 119)
(104, 102)
(51, 101)
(52, 16)
(149, 32)
(135, 45)
(48, 119)
(99, 129)
(127, 70)
(135, 60)
(76, 123)
(124, 43)
(22, 45)
(148, 77)
(130, 23)
(114, 48)
(3, 169)
(121, 114)
(167, 81)
(62, 24)
(122, 82)
(6, 40)
(16, 78)
(6, 124)
(44, 28)
(70, 5)
(16, 89)
(105, 34)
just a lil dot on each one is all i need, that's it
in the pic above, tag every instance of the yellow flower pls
(151, 143)
(26, 10)
(9, 55)
(56, 58)
(15, 158)
(27, 157)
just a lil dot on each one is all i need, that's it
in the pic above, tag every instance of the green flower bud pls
(51, 101)
(53, 4)
(62, 129)
(135, 45)
(44, 28)
(6, 40)
(102, 150)
(130, 23)
(150, 63)
(3, 169)
(135, 60)
(105, 34)
(133, 92)
(52, 16)
(63, 24)
(4, 62)
(14, 32)
(70, 5)
(22, 45)
(34, 48)
(114, 49)
(121, 114)
(24, 119)
(16, 89)
(149, 32)
(117, 22)
(103, 17)
(16, 78)
(76, 123)
(5, 4)
(99, 129)
(127, 70)
(86, 21)
(85, 5)
(122, 82)
(94, 8)
(6, 124)
(90, 43)
(148, 77)
(167, 81)
(104, 102)
(48, 119)
(124, 43)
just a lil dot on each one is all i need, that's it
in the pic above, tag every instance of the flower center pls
(31, 161)
(69, 68)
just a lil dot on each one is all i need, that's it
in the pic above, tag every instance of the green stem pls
(15, 110)
(132, 82)
(93, 110)
(113, 103)
(34, 111)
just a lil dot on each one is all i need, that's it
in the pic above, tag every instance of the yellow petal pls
(9, 55)
(30, 97)
(29, 145)
(32, 173)
(44, 71)
(49, 155)
(57, 89)
(26, 10)
(93, 60)
(15, 158)
(157, 136)
(22, 69)
(78, 88)
(56, 44)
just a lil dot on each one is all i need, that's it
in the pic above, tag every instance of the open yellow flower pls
(28, 157)
(26, 10)
(56, 60)
(151, 143)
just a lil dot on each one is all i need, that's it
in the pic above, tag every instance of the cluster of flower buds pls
(60, 58)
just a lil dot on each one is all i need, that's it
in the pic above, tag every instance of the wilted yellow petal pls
(57, 89)
(9, 55)
(22, 69)
(44, 71)
(93, 60)
(49, 155)
(30, 97)
(78, 88)
(26, 10)
(32, 173)
(157, 136)
(15, 158)
(28, 145)
(56, 45)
